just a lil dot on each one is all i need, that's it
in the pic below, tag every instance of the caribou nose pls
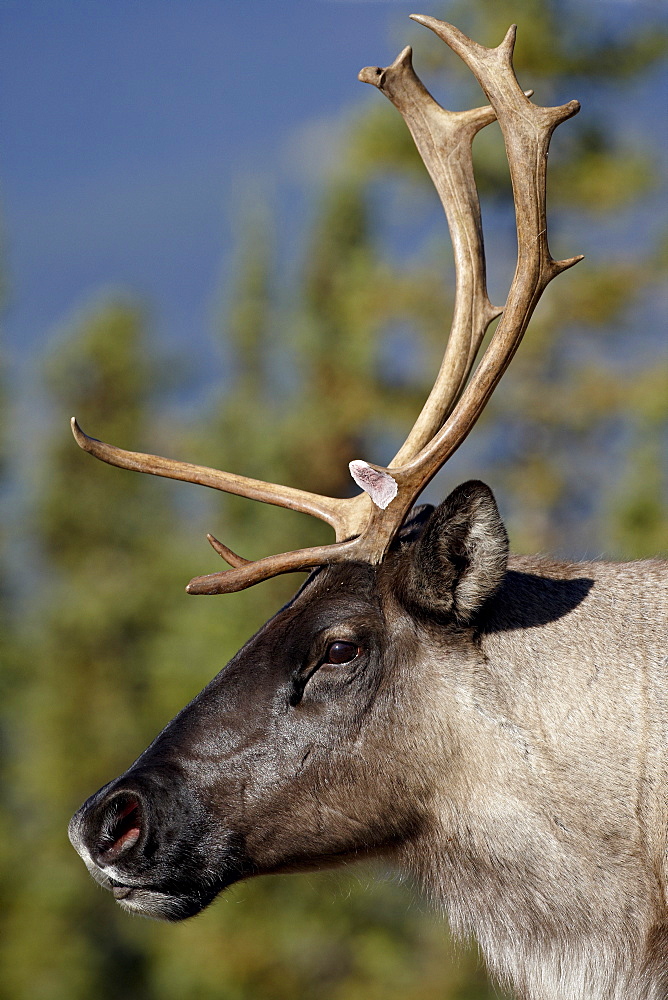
(110, 829)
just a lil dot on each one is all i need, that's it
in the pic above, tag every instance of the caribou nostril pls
(121, 828)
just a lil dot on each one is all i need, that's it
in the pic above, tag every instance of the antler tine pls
(444, 139)
(342, 514)
(247, 574)
(230, 557)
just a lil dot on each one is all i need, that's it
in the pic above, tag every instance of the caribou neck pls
(556, 757)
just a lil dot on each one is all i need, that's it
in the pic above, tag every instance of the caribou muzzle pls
(144, 838)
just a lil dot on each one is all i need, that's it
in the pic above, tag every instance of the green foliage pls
(85, 679)
(108, 647)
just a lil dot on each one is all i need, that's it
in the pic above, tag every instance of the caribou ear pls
(460, 559)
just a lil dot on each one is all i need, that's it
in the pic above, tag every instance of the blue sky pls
(133, 130)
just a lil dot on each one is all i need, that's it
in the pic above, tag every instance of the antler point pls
(404, 57)
(79, 435)
(563, 265)
(198, 586)
(371, 74)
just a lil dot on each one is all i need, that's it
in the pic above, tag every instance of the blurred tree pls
(98, 608)
(9, 667)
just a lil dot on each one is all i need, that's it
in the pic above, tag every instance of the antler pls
(364, 531)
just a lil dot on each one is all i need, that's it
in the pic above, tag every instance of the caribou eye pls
(341, 652)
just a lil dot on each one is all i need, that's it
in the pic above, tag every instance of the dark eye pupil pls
(341, 652)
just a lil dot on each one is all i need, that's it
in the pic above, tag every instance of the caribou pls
(494, 725)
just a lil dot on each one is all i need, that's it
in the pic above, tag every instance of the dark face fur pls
(299, 753)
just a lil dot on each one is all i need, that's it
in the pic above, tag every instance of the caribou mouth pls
(146, 901)
(121, 891)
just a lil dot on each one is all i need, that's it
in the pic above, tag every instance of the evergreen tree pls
(86, 709)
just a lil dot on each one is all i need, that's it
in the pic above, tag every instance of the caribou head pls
(304, 751)
(422, 698)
